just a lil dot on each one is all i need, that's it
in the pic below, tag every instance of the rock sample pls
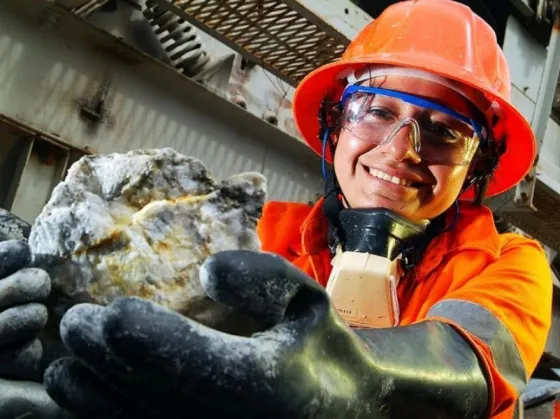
(141, 224)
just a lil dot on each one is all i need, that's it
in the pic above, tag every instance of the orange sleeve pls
(279, 226)
(505, 313)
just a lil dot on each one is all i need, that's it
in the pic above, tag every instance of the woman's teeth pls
(381, 175)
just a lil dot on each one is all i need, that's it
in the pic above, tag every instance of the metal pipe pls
(549, 81)
(525, 190)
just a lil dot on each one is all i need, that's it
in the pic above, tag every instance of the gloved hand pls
(22, 317)
(137, 359)
(22, 313)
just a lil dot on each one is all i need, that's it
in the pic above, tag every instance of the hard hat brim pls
(323, 83)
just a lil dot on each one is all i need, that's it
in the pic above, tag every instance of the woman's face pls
(360, 166)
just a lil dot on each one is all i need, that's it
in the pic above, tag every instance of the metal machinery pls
(214, 79)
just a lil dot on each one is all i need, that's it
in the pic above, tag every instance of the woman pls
(417, 121)
(393, 149)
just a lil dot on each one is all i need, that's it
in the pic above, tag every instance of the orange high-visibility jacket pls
(494, 289)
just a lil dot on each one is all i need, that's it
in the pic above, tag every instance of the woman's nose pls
(402, 143)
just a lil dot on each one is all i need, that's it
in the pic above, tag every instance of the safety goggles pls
(437, 134)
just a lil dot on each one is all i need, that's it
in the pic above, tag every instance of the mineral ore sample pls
(141, 224)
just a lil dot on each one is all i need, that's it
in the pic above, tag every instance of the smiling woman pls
(416, 119)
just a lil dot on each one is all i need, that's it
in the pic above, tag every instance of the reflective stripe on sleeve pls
(480, 322)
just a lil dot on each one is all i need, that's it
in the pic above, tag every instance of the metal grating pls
(542, 224)
(275, 34)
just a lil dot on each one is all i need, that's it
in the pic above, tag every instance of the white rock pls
(141, 224)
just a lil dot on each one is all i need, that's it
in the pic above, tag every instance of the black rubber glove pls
(22, 317)
(135, 356)
(22, 312)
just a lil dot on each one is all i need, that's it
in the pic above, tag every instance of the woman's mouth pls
(387, 177)
(379, 174)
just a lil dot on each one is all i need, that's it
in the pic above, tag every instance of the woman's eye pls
(380, 113)
(443, 131)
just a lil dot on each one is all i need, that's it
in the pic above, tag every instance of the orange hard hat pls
(444, 38)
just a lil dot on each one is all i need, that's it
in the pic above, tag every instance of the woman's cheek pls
(449, 181)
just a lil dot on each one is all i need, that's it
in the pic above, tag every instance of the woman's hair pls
(484, 163)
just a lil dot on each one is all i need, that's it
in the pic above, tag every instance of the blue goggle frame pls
(406, 97)
(413, 100)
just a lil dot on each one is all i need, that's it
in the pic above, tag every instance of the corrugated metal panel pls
(107, 98)
(526, 57)
(523, 103)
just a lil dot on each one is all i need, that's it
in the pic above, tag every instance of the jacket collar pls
(474, 230)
